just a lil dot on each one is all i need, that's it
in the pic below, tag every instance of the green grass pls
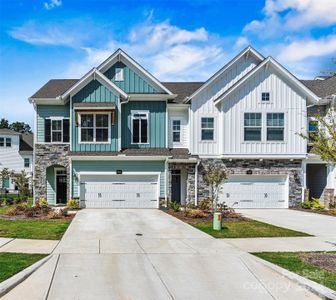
(4, 209)
(33, 229)
(12, 263)
(246, 229)
(292, 262)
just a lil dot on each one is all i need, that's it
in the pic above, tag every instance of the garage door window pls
(252, 126)
(94, 128)
(140, 127)
(275, 126)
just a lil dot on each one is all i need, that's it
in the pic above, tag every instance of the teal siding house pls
(103, 139)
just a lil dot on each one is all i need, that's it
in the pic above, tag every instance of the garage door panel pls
(115, 191)
(254, 191)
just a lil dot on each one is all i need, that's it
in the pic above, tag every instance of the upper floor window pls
(265, 97)
(312, 129)
(119, 74)
(8, 142)
(56, 130)
(252, 126)
(275, 126)
(94, 128)
(140, 127)
(5, 142)
(207, 127)
(2, 142)
(176, 131)
(26, 162)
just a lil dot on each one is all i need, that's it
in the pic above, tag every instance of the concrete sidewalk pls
(27, 245)
(102, 257)
(285, 244)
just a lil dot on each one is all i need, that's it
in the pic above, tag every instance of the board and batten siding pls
(202, 106)
(157, 123)
(46, 111)
(95, 92)
(247, 98)
(112, 166)
(181, 114)
(132, 83)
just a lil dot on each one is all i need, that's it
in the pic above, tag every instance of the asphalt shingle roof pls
(27, 142)
(182, 89)
(322, 88)
(54, 88)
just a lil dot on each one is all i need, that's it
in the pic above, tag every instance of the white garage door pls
(252, 191)
(119, 191)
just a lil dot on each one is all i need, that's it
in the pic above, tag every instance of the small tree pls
(4, 173)
(22, 183)
(323, 140)
(213, 177)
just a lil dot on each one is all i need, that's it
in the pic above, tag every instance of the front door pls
(176, 186)
(316, 179)
(61, 187)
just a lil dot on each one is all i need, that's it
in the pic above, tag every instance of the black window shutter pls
(66, 131)
(47, 130)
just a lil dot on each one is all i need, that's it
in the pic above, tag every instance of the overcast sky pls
(176, 40)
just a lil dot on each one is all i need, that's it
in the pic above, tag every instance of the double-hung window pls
(140, 127)
(207, 127)
(252, 126)
(312, 129)
(2, 142)
(56, 131)
(176, 131)
(94, 128)
(8, 142)
(275, 126)
(26, 162)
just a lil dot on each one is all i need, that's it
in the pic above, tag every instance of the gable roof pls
(280, 68)
(119, 55)
(54, 88)
(322, 88)
(182, 90)
(248, 50)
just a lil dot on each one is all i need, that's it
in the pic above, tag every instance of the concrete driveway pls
(147, 254)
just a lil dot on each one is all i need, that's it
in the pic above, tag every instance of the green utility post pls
(217, 221)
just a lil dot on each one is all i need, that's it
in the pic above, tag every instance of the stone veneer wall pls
(47, 155)
(265, 167)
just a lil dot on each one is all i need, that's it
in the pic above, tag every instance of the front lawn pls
(12, 263)
(295, 262)
(245, 229)
(33, 229)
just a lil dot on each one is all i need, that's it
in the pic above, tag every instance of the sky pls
(176, 40)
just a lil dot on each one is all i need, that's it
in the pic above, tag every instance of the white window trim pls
(261, 127)
(213, 129)
(172, 131)
(56, 119)
(121, 70)
(94, 128)
(133, 112)
(270, 97)
(284, 126)
(24, 162)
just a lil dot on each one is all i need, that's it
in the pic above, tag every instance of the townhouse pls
(120, 138)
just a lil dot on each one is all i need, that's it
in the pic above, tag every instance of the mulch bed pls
(326, 261)
(185, 218)
(33, 213)
(321, 212)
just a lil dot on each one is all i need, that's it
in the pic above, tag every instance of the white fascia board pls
(93, 74)
(247, 50)
(46, 101)
(265, 156)
(116, 56)
(278, 67)
(150, 97)
(119, 157)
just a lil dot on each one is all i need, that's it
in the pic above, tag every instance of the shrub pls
(9, 201)
(197, 213)
(333, 211)
(174, 206)
(53, 214)
(13, 211)
(43, 202)
(72, 204)
(307, 204)
(205, 204)
(30, 212)
(317, 205)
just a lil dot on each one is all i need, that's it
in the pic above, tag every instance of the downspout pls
(196, 182)
(166, 182)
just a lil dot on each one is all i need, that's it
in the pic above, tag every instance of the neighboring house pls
(118, 137)
(16, 154)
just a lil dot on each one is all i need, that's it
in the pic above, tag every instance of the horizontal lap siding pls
(46, 111)
(95, 92)
(112, 166)
(51, 197)
(132, 83)
(157, 123)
